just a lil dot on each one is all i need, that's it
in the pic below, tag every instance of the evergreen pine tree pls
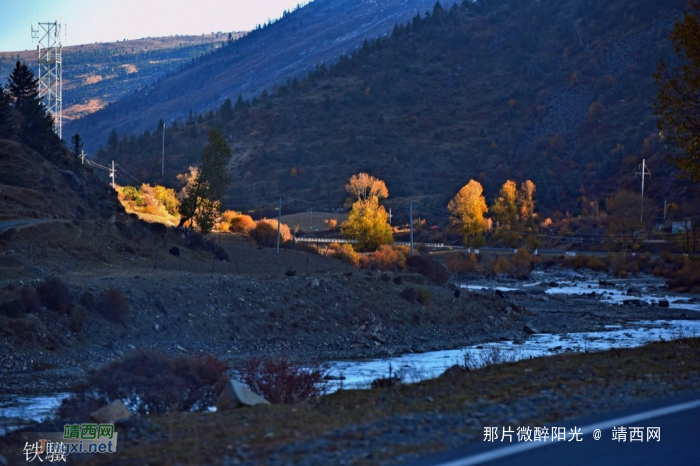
(76, 145)
(112, 140)
(226, 111)
(22, 86)
(37, 123)
(6, 126)
(203, 194)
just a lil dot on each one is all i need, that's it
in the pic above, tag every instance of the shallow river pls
(15, 411)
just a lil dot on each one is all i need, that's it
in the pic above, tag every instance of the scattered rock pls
(454, 372)
(235, 394)
(111, 413)
(457, 293)
(418, 349)
(180, 348)
(315, 283)
(664, 303)
(529, 328)
(175, 251)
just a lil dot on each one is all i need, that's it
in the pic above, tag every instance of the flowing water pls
(17, 411)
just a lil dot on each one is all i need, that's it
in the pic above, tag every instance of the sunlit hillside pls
(95, 75)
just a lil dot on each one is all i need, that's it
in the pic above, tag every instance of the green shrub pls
(424, 295)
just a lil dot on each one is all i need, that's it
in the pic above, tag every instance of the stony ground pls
(402, 423)
(312, 308)
(259, 303)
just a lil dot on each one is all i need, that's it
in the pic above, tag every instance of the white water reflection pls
(614, 291)
(417, 367)
(17, 411)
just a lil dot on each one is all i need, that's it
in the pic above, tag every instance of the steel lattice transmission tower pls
(51, 70)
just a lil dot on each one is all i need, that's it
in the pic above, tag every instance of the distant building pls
(681, 227)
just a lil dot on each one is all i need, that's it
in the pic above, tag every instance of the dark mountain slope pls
(317, 33)
(556, 91)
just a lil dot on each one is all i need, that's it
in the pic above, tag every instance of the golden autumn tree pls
(526, 203)
(504, 209)
(467, 211)
(505, 212)
(368, 221)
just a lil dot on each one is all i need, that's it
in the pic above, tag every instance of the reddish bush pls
(688, 276)
(462, 263)
(236, 222)
(265, 233)
(150, 382)
(388, 258)
(522, 262)
(280, 381)
(347, 254)
(429, 267)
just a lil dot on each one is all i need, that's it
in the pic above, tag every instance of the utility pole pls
(411, 223)
(279, 224)
(162, 158)
(389, 216)
(82, 157)
(643, 171)
(664, 210)
(112, 173)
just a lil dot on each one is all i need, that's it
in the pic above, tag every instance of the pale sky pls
(88, 21)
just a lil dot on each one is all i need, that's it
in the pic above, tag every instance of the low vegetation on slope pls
(558, 93)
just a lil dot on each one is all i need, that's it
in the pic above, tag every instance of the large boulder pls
(529, 328)
(111, 413)
(235, 395)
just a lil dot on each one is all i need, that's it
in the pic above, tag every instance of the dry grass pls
(640, 372)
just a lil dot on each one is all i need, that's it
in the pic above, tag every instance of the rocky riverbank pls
(311, 318)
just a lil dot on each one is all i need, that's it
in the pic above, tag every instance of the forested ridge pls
(557, 92)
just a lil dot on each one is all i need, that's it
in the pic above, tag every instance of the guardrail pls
(354, 241)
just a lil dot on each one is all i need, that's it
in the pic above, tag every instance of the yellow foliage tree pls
(467, 211)
(526, 203)
(504, 209)
(368, 221)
